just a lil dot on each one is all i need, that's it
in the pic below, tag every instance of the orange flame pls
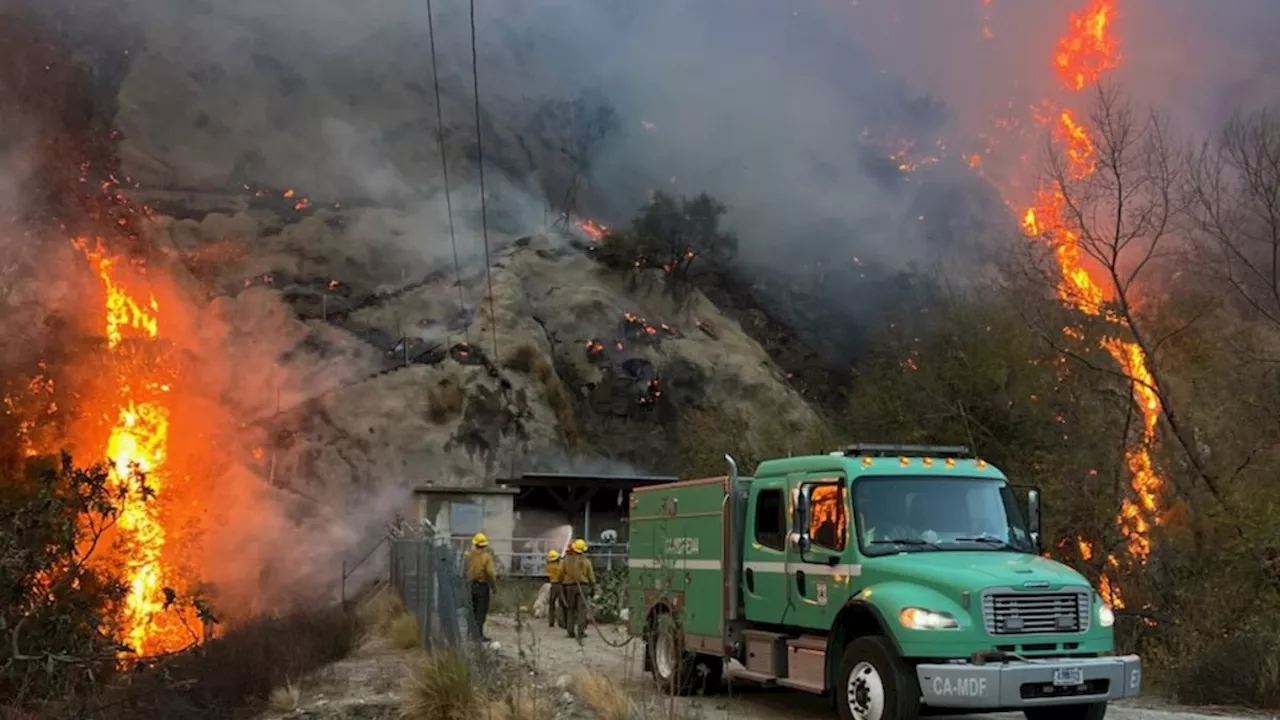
(137, 448)
(1088, 51)
(1085, 53)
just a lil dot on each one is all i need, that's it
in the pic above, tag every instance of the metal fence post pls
(420, 605)
(429, 590)
(448, 586)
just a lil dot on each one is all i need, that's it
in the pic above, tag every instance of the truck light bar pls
(938, 451)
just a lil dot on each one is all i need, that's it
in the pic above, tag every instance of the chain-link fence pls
(427, 576)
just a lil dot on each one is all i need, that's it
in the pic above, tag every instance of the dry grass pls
(285, 698)
(521, 359)
(238, 671)
(380, 611)
(559, 401)
(526, 705)
(604, 695)
(439, 688)
(445, 401)
(403, 632)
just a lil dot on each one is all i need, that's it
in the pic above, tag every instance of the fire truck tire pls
(874, 683)
(1083, 711)
(674, 669)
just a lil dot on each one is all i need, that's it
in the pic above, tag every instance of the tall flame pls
(137, 448)
(1084, 54)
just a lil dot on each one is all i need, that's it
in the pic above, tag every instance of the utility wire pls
(444, 168)
(484, 211)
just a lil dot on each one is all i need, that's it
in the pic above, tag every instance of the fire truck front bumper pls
(1031, 683)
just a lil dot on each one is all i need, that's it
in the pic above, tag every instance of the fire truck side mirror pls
(1033, 516)
(800, 522)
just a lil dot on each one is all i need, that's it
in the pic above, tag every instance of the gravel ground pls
(552, 653)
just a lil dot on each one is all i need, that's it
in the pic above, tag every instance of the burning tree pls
(679, 235)
(59, 587)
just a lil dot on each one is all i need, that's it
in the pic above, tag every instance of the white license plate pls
(1068, 677)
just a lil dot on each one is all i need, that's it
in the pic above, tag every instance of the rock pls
(542, 600)
(564, 682)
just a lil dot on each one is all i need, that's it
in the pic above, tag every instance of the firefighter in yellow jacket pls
(482, 575)
(555, 599)
(578, 579)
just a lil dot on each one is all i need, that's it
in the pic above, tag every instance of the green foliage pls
(611, 596)
(56, 634)
(681, 236)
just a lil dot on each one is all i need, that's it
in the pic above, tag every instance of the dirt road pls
(552, 653)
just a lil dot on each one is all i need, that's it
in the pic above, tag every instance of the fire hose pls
(591, 618)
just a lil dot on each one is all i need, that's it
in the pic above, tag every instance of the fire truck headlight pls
(922, 619)
(1106, 616)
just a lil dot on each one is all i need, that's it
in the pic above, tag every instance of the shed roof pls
(584, 480)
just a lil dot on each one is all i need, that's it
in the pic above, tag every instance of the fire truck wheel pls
(674, 669)
(874, 683)
(1084, 711)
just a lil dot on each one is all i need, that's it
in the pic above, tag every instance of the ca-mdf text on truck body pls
(898, 580)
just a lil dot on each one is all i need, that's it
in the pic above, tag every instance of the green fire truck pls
(898, 580)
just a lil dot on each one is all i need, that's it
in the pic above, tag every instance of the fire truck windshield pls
(921, 514)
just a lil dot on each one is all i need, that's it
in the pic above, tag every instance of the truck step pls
(806, 664)
(766, 653)
(759, 677)
(799, 685)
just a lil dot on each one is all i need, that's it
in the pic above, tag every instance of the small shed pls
(553, 507)
(461, 512)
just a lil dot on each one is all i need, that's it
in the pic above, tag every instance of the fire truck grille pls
(1036, 613)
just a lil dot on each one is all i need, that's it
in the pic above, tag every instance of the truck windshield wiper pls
(984, 539)
(906, 541)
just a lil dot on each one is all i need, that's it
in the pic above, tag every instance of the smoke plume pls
(839, 134)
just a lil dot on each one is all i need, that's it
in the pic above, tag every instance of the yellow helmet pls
(579, 545)
(480, 540)
(553, 555)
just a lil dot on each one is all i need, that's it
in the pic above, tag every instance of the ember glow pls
(594, 229)
(137, 448)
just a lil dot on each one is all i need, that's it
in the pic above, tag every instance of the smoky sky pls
(763, 103)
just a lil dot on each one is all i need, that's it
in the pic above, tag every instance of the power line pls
(484, 210)
(444, 168)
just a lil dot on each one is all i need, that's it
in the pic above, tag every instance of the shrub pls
(439, 688)
(612, 597)
(285, 698)
(381, 609)
(619, 251)
(403, 632)
(236, 672)
(604, 695)
(445, 401)
(52, 594)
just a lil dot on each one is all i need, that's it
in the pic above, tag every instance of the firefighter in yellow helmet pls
(555, 600)
(482, 575)
(579, 580)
